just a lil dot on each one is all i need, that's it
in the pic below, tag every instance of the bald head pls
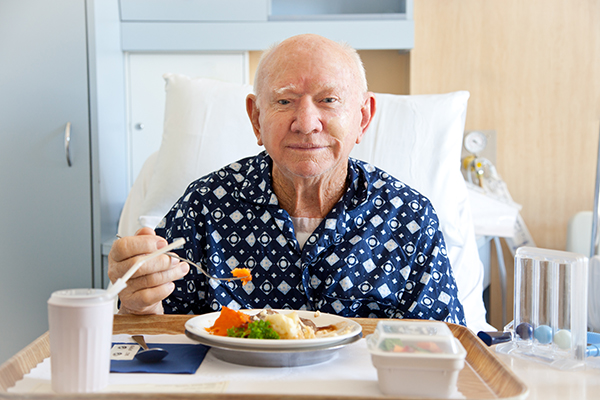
(315, 48)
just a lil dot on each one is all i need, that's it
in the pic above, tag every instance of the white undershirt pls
(304, 227)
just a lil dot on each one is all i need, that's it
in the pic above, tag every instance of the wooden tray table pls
(483, 377)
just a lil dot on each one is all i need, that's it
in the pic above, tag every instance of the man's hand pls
(153, 281)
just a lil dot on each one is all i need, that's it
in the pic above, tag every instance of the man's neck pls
(309, 197)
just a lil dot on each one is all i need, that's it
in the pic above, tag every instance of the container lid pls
(76, 297)
(413, 328)
(413, 338)
(558, 256)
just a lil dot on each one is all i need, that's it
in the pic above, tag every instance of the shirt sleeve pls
(180, 222)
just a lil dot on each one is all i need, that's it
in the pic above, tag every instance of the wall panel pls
(533, 70)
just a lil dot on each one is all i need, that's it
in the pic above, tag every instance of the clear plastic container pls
(550, 308)
(416, 358)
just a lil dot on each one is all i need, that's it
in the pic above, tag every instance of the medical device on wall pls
(479, 169)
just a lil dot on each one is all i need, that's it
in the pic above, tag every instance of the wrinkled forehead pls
(317, 68)
(281, 87)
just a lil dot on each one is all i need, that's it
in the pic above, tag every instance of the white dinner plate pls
(198, 325)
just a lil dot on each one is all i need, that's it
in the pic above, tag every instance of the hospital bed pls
(415, 138)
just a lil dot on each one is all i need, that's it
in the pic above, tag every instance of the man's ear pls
(253, 114)
(367, 110)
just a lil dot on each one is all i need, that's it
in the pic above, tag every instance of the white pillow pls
(205, 128)
(418, 140)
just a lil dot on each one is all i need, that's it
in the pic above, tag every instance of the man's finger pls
(159, 277)
(127, 247)
(147, 300)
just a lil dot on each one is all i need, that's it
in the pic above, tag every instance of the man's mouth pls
(306, 146)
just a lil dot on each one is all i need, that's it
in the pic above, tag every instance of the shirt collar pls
(256, 187)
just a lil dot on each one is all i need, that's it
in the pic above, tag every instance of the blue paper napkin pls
(182, 359)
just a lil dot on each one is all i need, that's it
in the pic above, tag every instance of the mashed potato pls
(289, 326)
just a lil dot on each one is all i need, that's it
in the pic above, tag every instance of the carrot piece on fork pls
(243, 273)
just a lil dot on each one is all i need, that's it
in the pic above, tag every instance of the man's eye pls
(329, 100)
(283, 102)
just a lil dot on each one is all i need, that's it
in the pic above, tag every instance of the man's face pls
(310, 112)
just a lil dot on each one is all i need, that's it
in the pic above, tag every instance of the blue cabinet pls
(240, 25)
(45, 203)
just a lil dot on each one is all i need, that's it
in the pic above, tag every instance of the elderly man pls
(318, 230)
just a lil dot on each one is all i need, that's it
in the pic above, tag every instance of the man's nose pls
(307, 118)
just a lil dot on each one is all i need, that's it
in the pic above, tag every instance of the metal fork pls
(199, 268)
(233, 278)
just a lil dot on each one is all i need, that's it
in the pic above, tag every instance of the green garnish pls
(389, 344)
(254, 330)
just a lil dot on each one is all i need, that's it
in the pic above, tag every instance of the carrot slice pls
(228, 319)
(243, 273)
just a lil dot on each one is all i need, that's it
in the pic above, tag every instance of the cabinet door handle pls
(68, 143)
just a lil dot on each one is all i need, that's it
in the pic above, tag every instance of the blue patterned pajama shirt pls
(378, 253)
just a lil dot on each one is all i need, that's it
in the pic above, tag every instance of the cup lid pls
(79, 296)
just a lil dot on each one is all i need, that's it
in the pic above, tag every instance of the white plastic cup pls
(81, 323)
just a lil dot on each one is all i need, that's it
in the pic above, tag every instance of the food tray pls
(483, 377)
